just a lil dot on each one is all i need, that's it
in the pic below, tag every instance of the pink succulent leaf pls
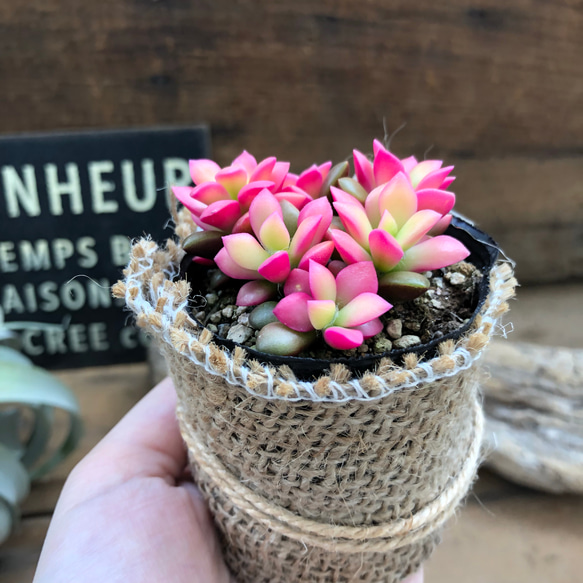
(243, 225)
(417, 227)
(336, 266)
(364, 170)
(318, 208)
(352, 187)
(342, 196)
(322, 282)
(255, 292)
(324, 169)
(343, 338)
(222, 214)
(263, 205)
(447, 182)
(399, 198)
(203, 261)
(203, 225)
(297, 281)
(362, 309)
(246, 161)
(210, 192)
(293, 312)
(203, 170)
(278, 175)
(419, 172)
(355, 222)
(273, 233)
(233, 179)
(349, 249)
(264, 170)
(377, 146)
(388, 223)
(290, 180)
(182, 193)
(319, 253)
(229, 267)
(371, 205)
(386, 166)
(276, 268)
(440, 201)
(245, 250)
(370, 329)
(409, 163)
(321, 313)
(441, 226)
(303, 238)
(354, 280)
(250, 191)
(310, 180)
(435, 179)
(298, 199)
(385, 250)
(434, 253)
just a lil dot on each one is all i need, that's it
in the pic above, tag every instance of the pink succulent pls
(385, 165)
(346, 307)
(222, 196)
(394, 226)
(273, 249)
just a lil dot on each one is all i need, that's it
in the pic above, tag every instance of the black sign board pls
(69, 205)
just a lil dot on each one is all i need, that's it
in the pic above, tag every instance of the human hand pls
(128, 513)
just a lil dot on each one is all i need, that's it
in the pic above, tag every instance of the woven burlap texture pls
(348, 479)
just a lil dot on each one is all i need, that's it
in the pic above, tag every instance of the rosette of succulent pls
(320, 260)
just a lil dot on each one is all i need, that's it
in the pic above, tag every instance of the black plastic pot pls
(483, 254)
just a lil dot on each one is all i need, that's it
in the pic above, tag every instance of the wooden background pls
(496, 87)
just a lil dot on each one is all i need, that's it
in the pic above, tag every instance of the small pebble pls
(456, 278)
(239, 333)
(428, 274)
(436, 304)
(394, 329)
(383, 345)
(212, 328)
(362, 348)
(463, 267)
(243, 319)
(228, 312)
(224, 329)
(200, 316)
(438, 281)
(240, 310)
(212, 299)
(407, 341)
(215, 318)
(413, 325)
(438, 334)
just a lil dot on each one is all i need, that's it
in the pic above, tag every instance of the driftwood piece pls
(533, 400)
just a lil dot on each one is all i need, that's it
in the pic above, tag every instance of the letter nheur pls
(148, 200)
(56, 190)
(99, 187)
(176, 172)
(20, 194)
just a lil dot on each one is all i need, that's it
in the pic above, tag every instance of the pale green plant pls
(28, 392)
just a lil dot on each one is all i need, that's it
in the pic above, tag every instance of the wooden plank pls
(496, 88)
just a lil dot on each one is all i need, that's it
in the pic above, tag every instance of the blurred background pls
(494, 87)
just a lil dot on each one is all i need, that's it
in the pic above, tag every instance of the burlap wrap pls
(344, 479)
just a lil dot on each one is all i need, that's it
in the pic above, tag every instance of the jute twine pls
(347, 479)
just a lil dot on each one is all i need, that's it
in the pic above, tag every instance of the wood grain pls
(496, 87)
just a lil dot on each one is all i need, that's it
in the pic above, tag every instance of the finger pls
(145, 443)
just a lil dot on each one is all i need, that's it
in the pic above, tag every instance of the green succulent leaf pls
(402, 286)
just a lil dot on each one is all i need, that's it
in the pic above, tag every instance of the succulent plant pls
(338, 265)
(345, 307)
